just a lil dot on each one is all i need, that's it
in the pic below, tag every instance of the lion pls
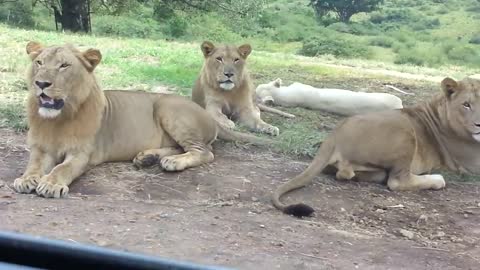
(401, 147)
(74, 125)
(339, 101)
(225, 90)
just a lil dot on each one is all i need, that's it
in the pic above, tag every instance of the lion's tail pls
(230, 135)
(276, 111)
(316, 166)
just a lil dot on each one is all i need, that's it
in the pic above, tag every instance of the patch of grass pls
(13, 116)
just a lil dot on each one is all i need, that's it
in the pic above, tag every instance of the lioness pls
(401, 146)
(75, 125)
(225, 90)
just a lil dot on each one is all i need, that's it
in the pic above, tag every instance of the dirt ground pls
(220, 214)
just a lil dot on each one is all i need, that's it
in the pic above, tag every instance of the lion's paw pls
(48, 189)
(143, 160)
(438, 182)
(227, 124)
(172, 164)
(269, 129)
(26, 184)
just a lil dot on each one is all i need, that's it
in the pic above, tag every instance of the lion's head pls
(225, 65)
(463, 106)
(60, 76)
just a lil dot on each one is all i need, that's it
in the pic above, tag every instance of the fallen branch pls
(430, 248)
(398, 90)
(312, 256)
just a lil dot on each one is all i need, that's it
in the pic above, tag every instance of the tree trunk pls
(76, 15)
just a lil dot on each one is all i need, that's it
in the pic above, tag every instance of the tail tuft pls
(299, 210)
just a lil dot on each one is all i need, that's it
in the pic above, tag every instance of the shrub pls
(409, 57)
(334, 45)
(125, 26)
(364, 28)
(382, 41)
(475, 39)
(17, 13)
(209, 27)
(176, 27)
(462, 54)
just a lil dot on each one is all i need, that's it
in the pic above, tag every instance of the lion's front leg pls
(250, 117)
(39, 163)
(215, 110)
(55, 184)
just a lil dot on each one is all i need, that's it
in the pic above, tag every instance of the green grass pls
(128, 63)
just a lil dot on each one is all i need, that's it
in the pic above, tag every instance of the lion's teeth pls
(46, 101)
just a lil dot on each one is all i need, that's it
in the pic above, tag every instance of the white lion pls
(339, 101)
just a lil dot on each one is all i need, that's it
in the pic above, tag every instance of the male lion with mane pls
(401, 147)
(74, 125)
(225, 90)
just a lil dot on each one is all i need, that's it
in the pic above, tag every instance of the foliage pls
(125, 26)
(339, 47)
(344, 9)
(475, 39)
(17, 13)
(382, 41)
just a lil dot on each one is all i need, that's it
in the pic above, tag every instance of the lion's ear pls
(207, 48)
(93, 57)
(34, 49)
(449, 86)
(245, 50)
(277, 83)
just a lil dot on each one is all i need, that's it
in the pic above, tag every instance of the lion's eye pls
(39, 62)
(219, 59)
(64, 65)
(466, 105)
(236, 60)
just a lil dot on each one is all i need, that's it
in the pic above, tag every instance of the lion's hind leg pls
(152, 157)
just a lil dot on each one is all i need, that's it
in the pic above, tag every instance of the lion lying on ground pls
(339, 101)
(401, 147)
(75, 125)
(225, 90)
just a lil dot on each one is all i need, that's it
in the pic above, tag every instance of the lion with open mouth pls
(74, 125)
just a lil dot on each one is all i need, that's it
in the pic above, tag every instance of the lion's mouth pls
(50, 103)
(226, 81)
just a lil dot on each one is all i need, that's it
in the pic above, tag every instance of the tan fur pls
(225, 90)
(402, 147)
(96, 126)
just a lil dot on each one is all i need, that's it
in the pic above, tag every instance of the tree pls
(76, 15)
(72, 15)
(344, 9)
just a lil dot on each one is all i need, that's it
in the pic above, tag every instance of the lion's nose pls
(228, 74)
(43, 85)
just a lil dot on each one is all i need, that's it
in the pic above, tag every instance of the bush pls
(355, 28)
(125, 26)
(209, 27)
(393, 15)
(462, 54)
(409, 57)
(475, 39)
(334, 45)
(382, 41)
(176, 27)
(17, 14)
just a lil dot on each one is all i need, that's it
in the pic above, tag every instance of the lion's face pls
(463, 106)
(225, 64)
(56, 74)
